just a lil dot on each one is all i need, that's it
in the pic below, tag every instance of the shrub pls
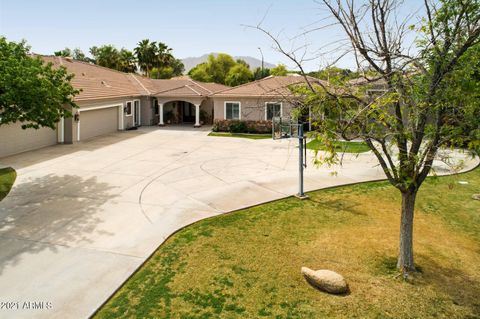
(237, 127)
(246, 126)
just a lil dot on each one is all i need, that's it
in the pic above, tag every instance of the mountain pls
(191, 62)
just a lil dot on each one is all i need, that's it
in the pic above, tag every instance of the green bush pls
(215, 126)
(237, 127)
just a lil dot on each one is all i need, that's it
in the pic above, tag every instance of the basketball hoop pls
(285, 127)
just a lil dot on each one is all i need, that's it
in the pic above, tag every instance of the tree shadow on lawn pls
(460, 287)
(338, 204)
(49, 211)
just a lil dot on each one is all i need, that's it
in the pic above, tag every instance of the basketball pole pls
(300, 194)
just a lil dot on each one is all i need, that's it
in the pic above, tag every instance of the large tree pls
(279, 70)
(76, 54)
(174, 68)
(106, 55)
(238, 74)
(334, 74)
(32, 92)
(222, 69)
(259, 73)
(414, 99)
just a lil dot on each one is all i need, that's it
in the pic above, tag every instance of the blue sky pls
(190, 27)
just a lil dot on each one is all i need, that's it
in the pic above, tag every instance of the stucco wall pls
(147, 111)
(13, 139)
(207, 107)
(251, 108)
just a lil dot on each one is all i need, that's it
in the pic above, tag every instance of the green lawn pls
(242, 135)
(7, 178)
(247, 264)
(340, 146)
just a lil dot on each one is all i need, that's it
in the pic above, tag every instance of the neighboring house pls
(373, 86)
(110, 101)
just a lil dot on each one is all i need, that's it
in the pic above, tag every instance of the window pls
(136, 112)
(155, 106)
(232, 110)
(128, 109)
(272, 110)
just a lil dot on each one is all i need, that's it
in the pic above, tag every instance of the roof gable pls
(180, 87)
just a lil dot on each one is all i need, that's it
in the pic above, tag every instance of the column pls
(160, 113)
(197, 115)
(61, 130)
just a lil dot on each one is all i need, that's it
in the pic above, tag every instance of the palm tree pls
(146, 53)
(163, 55)
(127, 62)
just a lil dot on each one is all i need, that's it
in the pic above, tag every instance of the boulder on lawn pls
(326, 280)
(476, 196)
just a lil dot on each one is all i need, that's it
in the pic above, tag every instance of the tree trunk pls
(405, 256)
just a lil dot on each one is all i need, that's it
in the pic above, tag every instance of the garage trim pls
(98, 107)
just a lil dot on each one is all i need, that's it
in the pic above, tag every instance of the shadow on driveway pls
(49, 211)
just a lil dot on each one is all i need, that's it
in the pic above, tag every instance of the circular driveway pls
(81, 218)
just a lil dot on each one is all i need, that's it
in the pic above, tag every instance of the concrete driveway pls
(81, 218)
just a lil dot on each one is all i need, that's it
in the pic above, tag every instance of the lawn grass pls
(340, 146)
(7, 178)
(247, 264)
(242, 135)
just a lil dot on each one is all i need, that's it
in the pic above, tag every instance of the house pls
(259, 100)
(111, 100)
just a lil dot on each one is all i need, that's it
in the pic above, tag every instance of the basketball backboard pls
(284, 127)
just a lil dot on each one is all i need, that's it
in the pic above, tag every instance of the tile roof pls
(269, 86)
(180, 87)
(363, 81)
(98, 82)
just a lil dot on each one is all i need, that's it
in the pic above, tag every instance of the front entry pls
(188, 112)
(178, 112)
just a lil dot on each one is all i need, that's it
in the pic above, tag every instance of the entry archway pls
(179, 111)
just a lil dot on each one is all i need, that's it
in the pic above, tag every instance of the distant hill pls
(191, 62)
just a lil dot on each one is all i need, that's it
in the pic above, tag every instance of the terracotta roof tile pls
(269, 86)
(182, 86)
(97, 82)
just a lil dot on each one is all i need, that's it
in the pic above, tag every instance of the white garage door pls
(98, 122)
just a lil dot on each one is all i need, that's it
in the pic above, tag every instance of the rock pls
(326, 280)
(476, 196)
